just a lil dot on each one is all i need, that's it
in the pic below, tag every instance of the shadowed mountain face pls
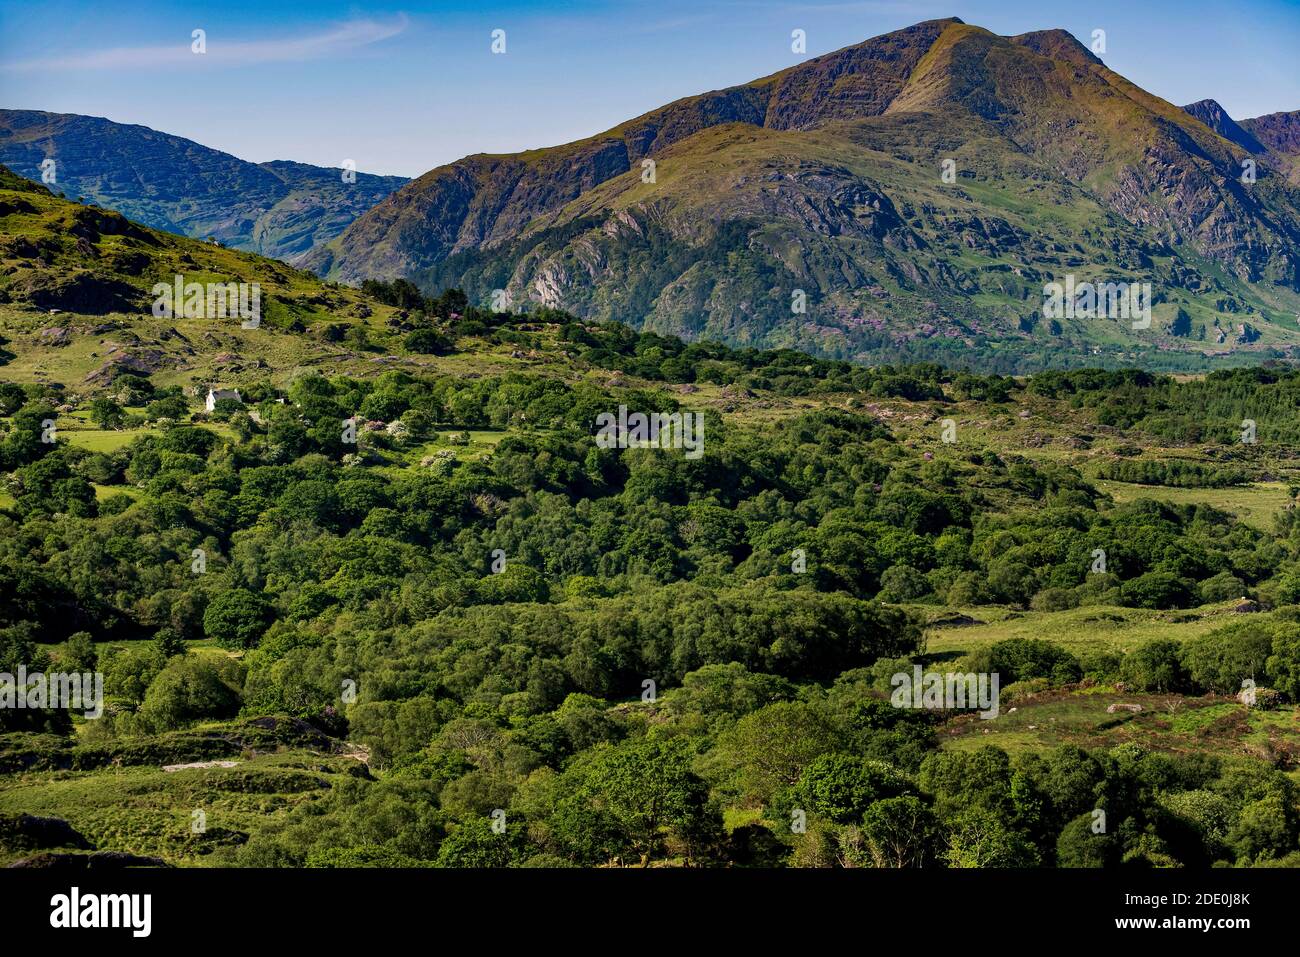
(1216, 118)
(1279, 132)
(823, 188)
(280, 209)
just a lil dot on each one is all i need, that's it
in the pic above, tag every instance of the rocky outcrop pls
(29, 831)
(83, 292)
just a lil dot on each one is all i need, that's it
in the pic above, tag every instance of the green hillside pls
(76, 302)
(396, 605)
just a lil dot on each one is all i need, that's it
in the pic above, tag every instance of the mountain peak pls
(826, 178)
(1213, 115)
(1057, 45)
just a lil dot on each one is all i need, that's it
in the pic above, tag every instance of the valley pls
(556, 510)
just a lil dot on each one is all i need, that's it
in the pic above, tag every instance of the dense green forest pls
(553, 653)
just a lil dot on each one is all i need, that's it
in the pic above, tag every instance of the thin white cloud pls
(336, 40)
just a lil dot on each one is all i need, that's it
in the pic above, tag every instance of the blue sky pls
(406, 87)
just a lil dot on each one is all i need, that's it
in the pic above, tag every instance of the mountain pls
(1278, 139)
(279, 209)
(1216, 118)
(821, 186)
(1280, 132)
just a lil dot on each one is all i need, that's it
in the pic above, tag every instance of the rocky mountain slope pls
(811, 209)
(280, 209)
(1279, 132)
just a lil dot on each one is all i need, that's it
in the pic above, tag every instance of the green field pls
(151, 812)
(1256, 504)
(104, 440)
(1084, 630)
(1172, 723)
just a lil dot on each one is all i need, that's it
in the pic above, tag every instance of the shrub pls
(1224, 586)
(1156, 666)
(902, 583)
(1019, 659)
(1220, 660)
(1156, 590)
(427, 342)
(1054, 599)
(190, 688)
(237, 618)
(841, 788)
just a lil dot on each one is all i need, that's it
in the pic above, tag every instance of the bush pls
(1284, 662)
(841, 788)
(1157, 590)
(1020, 659)
(1079, 846)
(128, 672)
(1156, 666)
(900, 832)
(1054, 599)
(1224, 586)
(968, 588)
(191, 688)
(237, 618)
(902, 583)
(78, 653)
(1221, 660)
(427, 342)
(1282, 590)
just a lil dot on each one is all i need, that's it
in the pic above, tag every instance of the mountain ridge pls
(813, 179)
(1279, 131)
(280, 208)
(78, 291)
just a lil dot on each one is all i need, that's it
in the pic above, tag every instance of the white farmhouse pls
(216, 395)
